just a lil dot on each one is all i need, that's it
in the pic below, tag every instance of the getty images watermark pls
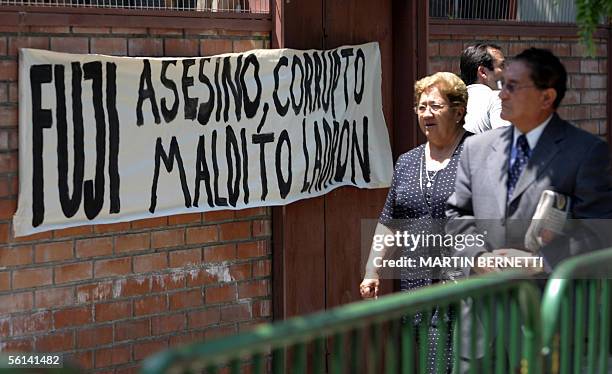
(407, 249)
(410, 242)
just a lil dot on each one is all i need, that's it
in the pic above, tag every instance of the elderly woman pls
(423, 180)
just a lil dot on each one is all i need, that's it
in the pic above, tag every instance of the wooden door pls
(316, 253)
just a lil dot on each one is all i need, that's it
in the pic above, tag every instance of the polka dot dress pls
(422, 211)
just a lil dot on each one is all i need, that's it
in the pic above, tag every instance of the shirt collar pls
(532, 136)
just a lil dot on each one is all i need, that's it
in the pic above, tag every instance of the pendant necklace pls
(431, 180)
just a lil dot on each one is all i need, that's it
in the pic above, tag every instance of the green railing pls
(576, 315)
(381, 336)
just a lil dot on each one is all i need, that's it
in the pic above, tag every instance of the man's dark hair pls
(473, 57)
(546, 71)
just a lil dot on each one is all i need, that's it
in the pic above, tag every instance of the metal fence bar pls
(227, 6)
(380, 319)
(568, 293)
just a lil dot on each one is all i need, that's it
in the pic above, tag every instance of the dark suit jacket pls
(566, 159)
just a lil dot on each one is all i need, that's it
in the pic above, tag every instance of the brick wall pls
(585, 101)
(109, 295)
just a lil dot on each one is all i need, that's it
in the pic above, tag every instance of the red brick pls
(13, 93)
(112, 267)
(72, 317)
(203, 318)
(109, 46)
(235, 230)
(50, 29)
(5, 186)
(218, 216)
(113, 311)
(94, 292)
(27, 278)
(190, 337)
(5, 326)
(166, 282)
(56, 342)
(91, 30)
(210, 47)
(262, 308)
(112, 227)
(4, 92)
(203, 234)
(185, 257)
(112, 356)
(8, 71)
(18, 345)
(578, 50)
(251, 212)
(451, 49)
(94, 337)
(151, 262)
(183, 219)
(590, 126)
(150, 305)
(16, 42)
(94, 247)
(7, 208)
(253, 289)
(4, 232)
(186, 299)
(54, 297)
(219, 332)
(221, 294)
(3, 46)
(135, 369)
(5, 281)
(252, 249)
(132, 287)
(181, 47)
(262, 268)
(132, 329)
(134, 242)
(262, 228)
(8, 118)
(57, 251)
(8, 163)
(598, 111)
(72, 231)
(572, 66)
(16, 302)
(589, 97)
(603, 66)
(150, 223)
(129, 30)
(235, 313)
(589, 66)
(572, 97)
(165, 324)
(167, 238)
(561, 49)
(21, 255)
(83, 360)
(240, 271)
(73, 272)
(598, 81)
(245, 45)
(30, 323)
(200, 277)
(70, 44)
(146, 349)
(145, 47)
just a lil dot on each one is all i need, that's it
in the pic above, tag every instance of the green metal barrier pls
(579, 288)
(380, 336)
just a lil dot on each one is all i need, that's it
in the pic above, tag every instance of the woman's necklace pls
(431, 180)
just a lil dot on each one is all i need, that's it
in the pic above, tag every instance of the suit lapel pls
(545, 150)
(498, 172)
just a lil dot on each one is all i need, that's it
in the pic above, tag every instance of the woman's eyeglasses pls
(435, 108)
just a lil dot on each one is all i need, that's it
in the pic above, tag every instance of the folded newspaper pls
(548, 220)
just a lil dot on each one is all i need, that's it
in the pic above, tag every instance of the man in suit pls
(503, 172)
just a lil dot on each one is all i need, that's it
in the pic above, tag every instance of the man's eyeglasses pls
(435, 108)
(511, 87)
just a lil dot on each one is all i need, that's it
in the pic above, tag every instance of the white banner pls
(108, 139)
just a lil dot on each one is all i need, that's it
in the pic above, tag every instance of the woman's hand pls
(369, 288)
